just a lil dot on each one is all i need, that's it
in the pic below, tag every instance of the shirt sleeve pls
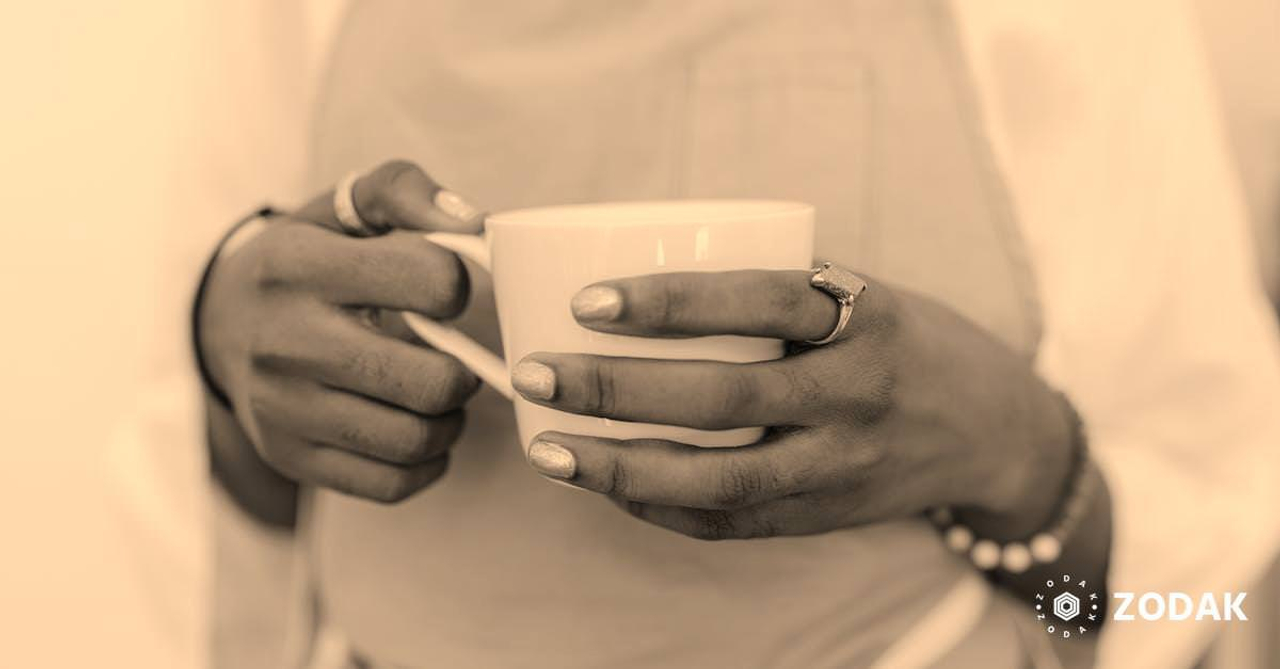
(206, 572)
(1156, 323)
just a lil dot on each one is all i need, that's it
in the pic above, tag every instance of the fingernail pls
(534, 379)
(452, 204)
(552, 460)
(597, 304)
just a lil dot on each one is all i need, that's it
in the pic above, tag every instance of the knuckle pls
(388, 184)
(739, 484)
(737, 398)
(798, 477)
(263, 359)
(857, 459)
(875, 402)
(424, 440)
(618, 483)
(355, 436)
(257, 403)
(601, 392)
(671, 301)
(261, 406)
(448, 388)
(450, 287)
(272, 268)
(364, 438)
(366, 364)
(280, 257)
(449, 428)
(430, 396)
(270, 347)
(418, 441)
(801, 388)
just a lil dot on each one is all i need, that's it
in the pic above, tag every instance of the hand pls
(289, 330)
(913, 406)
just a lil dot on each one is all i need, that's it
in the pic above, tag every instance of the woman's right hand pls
(326, 396)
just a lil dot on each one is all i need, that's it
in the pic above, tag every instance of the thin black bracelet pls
(201, 365)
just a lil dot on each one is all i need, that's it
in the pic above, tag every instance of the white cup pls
(541, 257)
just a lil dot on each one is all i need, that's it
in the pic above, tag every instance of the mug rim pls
(651, 212)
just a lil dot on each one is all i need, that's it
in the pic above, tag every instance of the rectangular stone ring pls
(845, 287)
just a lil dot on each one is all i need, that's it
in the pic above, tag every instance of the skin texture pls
(325, 390)
(887, 420)
(912, 407)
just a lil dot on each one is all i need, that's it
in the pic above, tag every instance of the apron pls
(862, 108)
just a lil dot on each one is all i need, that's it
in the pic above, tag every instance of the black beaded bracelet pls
(202, 366)
(1045, 546)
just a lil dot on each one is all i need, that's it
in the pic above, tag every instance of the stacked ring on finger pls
(344, 208)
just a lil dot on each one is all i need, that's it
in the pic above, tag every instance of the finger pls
(693, 393)
(656, 471)
(762, 303)
(399, 270)
(785, 517)
(364, 477)
(399, 194)
(360, 425)
(345, 471)
(346, 355)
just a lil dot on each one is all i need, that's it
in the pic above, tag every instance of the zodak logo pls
(1067, 607)
(1179, 606)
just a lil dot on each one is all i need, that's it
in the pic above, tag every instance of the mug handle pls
(489, 367)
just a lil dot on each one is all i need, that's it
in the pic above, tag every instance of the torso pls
(862, 108)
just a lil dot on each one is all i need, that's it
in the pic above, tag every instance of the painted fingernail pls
(552, 460)
(534, 379)
(597, 304)
(454, 205)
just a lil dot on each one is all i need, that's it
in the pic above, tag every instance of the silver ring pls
(344, 208)
(842, 285)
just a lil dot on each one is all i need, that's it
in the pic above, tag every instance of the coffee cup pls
(541, 257)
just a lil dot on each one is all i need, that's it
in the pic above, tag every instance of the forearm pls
(236, 466)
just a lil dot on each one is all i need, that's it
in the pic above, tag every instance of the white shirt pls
(1104, 122)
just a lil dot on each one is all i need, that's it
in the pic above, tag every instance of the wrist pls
(237, 236)
(1039, 472)
(257, 488)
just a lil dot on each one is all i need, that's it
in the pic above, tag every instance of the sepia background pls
(102, 166)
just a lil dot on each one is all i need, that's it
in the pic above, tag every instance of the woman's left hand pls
(912, 406)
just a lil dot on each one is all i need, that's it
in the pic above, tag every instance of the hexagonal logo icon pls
(1066, 606)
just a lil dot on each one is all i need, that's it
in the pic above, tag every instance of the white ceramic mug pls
(541, 257)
